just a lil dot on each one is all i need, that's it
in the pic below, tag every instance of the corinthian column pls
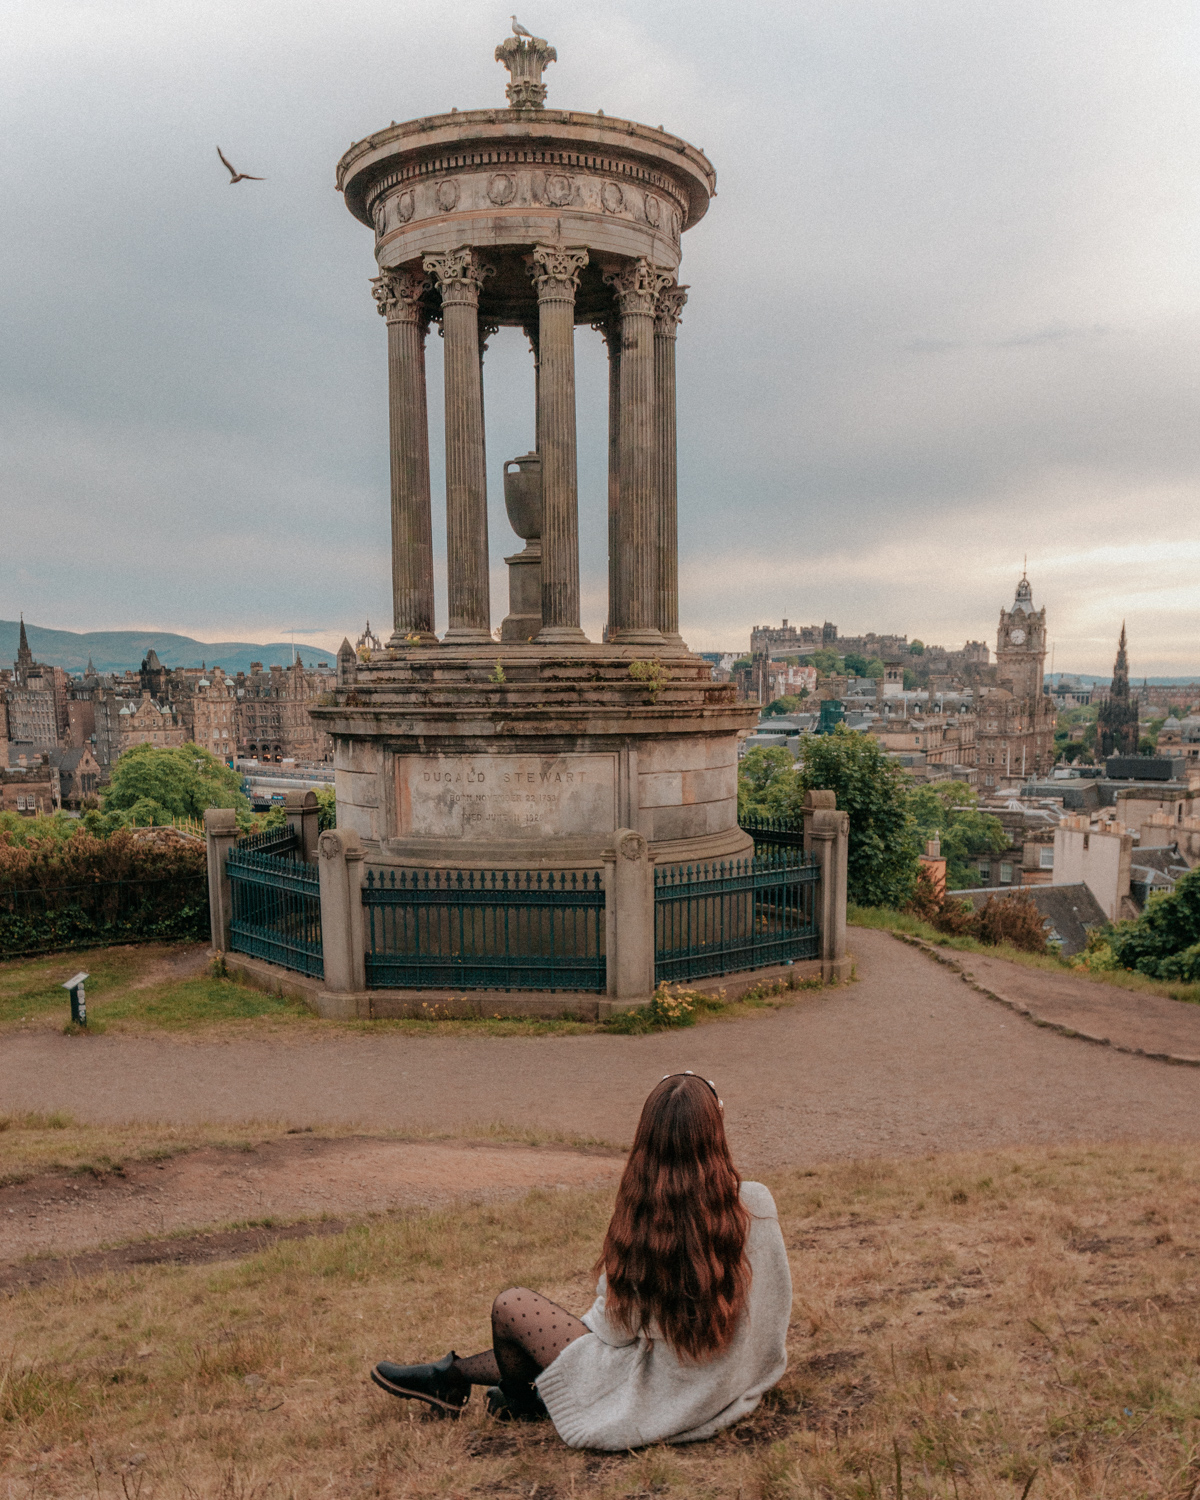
(670, 305)
(398, 294)
(459, 275)
(555, 273)
(610, 331)
(636, 288)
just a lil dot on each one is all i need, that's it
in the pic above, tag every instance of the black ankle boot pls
(516, 1404)
(440, 1384)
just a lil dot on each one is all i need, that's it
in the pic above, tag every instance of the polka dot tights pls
(528, 1333)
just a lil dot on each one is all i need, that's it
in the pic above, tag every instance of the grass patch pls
(976, 1319)
(164, 987)
(887, 920)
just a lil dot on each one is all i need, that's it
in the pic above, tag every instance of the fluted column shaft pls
(670, 305)
(398, 294)
(556, 275)
(610, 329)
(459, 275)
(636, 289)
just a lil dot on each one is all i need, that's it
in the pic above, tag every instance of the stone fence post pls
(827, 839)
(628, 921)
(220, 835)
(303, 816)
(340, 865)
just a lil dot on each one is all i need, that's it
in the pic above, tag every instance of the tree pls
(882, 863)
(788, 704)
(768, 784)
(916, 648)
(1164, 942)
(875, 669)
(180, 782)
(826, 660)
(910, 680)
(950, 809)
(856, 666)
(326, 808)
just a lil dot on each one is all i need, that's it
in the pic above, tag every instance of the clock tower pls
(1021, 645)
(1015, 733)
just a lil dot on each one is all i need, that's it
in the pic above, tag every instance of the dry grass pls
(34, 1142)
(1020, 1322)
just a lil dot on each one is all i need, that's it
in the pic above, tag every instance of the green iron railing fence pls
(45, 919)
(276, 903)
(774, 832)
(718, 919)
(485, 929)
(269, 841)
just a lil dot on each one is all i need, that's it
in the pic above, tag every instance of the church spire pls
(1120, 679)
(24, 654)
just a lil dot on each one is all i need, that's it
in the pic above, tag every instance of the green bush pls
(1163, 942)
(83, 891)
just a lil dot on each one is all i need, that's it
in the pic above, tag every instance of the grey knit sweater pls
(607, 1390)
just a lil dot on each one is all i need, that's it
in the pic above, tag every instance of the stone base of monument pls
(509, 757)
(457, 1004)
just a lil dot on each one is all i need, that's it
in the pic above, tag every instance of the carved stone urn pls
(523, 495)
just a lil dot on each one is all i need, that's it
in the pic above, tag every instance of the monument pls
(532, 750)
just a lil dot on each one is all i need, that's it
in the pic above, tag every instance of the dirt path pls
(301, 1177)
(1138, 1023)
(907, 1060)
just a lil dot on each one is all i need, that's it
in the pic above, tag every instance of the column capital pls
(555, 272)
(398, 296)
(671, 301)
(459, 274)
(636, 286)
(487, 332)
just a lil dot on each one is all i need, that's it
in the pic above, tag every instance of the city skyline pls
(951, 323)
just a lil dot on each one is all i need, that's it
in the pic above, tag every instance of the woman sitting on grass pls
(690, 1320)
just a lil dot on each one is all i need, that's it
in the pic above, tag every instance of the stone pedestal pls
(440, 765)
(524, 618)
(523, 502)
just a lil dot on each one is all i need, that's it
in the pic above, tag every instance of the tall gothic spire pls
(23, 652)
(1120, 679)
(1117, 721)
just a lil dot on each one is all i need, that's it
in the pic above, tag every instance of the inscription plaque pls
(485, 797)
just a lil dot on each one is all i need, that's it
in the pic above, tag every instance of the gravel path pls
(907, 1060)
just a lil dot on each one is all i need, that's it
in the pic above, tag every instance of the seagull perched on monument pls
(237, 176)
(519, 30)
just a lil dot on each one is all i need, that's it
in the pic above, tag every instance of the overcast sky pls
(943, 312)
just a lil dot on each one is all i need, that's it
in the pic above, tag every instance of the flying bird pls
(237, 176)
(519, 30)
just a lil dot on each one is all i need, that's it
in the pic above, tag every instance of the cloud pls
(943, 312)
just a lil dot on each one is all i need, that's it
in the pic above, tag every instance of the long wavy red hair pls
(675, 1251)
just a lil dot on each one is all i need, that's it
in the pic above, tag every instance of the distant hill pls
(123, 650)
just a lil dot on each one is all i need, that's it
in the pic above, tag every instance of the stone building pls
(31, 790)
(273, 719)
(214, 715)
(1015, 721)
(790, 640)
(36, 701)
(145, 722)
(1117, 717)
(79, 774)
